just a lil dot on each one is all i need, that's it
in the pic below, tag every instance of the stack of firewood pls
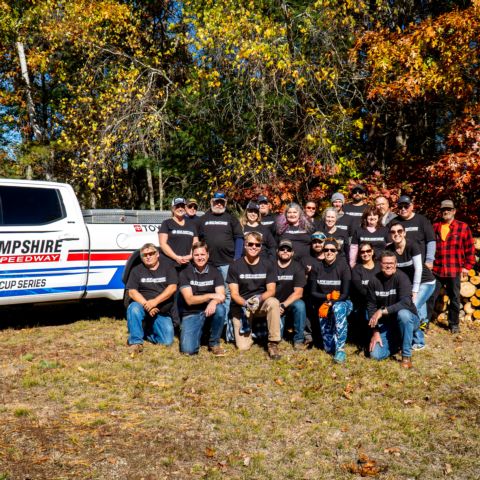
(469, 292)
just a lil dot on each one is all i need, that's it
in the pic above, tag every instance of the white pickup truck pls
(52, 251)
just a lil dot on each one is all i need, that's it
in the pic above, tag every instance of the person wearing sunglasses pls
(268, 218)
(289, 292)
(409, 260)
(358, 204)
(252, 282)
(295, 226)
(191, 209)
(365, 269)
(310, 210)
(251, 221)
(151, 286)
(455, 257)
(329, 290)
(392, 315)
(201, 286)
(370, 230)
(177, 235)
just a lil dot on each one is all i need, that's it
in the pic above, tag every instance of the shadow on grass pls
(25, 316)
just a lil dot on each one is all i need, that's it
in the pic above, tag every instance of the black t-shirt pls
(269, 221)
(180, 237)
(355, 213)
(344, 222)
(251, 279)
(196, 221)
(418, 229)
(394, 293)
(405, 261)
(288, 278)
(341, 236)
(268, 242)
(378, 238)
(361, 277)
(151, 283)
(325, 278)
(200, 283)
(220, 232)
(300, 239)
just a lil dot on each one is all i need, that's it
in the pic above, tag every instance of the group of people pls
(359, 270)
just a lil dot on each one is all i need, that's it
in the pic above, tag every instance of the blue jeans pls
(424, 293)
(334, 327)
(298, 313)
(229, 335)
(162, 327)
(395, 333)
(192, 326)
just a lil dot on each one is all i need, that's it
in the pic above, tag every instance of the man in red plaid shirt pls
(454, 257)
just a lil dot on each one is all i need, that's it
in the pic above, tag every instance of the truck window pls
(30, 206)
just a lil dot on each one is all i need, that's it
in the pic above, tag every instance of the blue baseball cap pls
(219, 196)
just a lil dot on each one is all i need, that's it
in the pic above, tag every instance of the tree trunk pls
(151, 195)
(37, 132)
(160, 187)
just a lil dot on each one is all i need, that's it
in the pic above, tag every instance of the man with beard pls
(355, 209)
(268, 218)
(223, 234)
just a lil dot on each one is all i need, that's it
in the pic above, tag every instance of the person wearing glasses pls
(295, 226)
(177, 234)
(201, 286)
(289, 292)
(365, 269)
(455, 257)
(355, 209)
(370, 230)
(252, 281)
(268, 218)
(191, 209)
(392, 315)
(310, 210)
(151, 286)
(409, 260)
(329, 290)
(251, 221)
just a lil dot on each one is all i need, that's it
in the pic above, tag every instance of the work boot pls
(273, 351)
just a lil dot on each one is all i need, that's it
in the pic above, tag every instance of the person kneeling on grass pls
(151, 285)
(391, 311)
(203, 292)
(251, 280)
(329, 286)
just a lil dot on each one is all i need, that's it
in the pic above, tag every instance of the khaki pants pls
(270, 308)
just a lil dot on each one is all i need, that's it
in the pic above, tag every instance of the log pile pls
(469, 295)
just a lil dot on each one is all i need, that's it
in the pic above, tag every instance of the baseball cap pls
(338, 196)
(447, 204)
(262, 198)
(178, 201)
(192, 200)
(285, 243)
(252, 205)
(219, 196)
(404, 199)
(318, 236)
(358, 186)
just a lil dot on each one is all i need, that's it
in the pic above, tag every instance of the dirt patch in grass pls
(74, 404)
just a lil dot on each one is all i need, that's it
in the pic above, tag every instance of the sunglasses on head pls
(254, 244)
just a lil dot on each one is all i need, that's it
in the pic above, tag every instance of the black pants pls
(452, 287)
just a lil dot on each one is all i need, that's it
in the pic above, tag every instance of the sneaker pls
(217, 351)
(418, 346)
(406, 363)
(300, 347)
(454, 329)
(424, 326)
(273, 351)
(340, 357)
(135, 349)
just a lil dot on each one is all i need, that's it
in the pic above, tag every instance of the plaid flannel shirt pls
(456, 252)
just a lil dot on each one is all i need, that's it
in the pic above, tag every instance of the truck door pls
(43, 243)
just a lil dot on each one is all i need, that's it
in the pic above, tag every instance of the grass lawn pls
(75, 405)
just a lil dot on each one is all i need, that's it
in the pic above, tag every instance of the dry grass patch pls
(73, 404)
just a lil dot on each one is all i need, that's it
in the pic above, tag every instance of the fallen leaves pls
(365, 467)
